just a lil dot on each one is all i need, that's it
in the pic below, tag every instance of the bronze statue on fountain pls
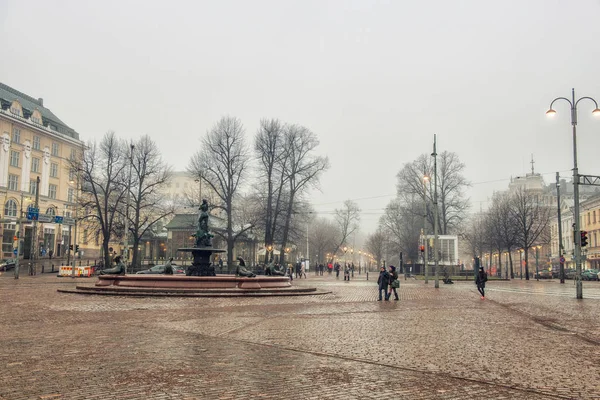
(242, 271)
(202, 249)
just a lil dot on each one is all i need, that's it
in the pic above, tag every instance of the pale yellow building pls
(36, 144)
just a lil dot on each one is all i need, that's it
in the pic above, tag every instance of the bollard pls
(367, 275)
(52, 267)
(42, 268)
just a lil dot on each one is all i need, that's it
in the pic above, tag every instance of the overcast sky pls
(373, 79)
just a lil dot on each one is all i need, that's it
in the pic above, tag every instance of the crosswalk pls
(557, 292)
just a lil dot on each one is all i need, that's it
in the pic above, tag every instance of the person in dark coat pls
(480, 281)
(393, 277)
(383, 281)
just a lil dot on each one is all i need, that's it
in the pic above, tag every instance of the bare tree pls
(270, 150)
(376, 243)
(502, 226)
(403, 224)
(531, 217)
(222, 163)
(451, 188)
(347, 219)
(302, 169)
(323, 237)
(103, 174)
(150, 174)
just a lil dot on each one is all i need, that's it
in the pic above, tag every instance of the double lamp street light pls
(577, 180)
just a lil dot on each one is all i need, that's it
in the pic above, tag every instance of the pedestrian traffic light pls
(584, 238)
(422, 248)
(71, 247)
(76, 248)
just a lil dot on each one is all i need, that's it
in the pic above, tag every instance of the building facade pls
(36, 147)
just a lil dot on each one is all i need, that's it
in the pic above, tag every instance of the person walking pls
(346, 272)
(303, 269)
(337, 270)
(394, 283)
(480, 282)
(383, 281)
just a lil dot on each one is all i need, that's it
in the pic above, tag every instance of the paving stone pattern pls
(528, 340)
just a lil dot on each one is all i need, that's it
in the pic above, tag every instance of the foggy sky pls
(373, 79)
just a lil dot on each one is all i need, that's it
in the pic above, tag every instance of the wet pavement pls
(527, 340)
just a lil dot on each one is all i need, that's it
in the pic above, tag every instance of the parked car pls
(545, 274)
(570, 273)
(589, 275)
(160, 269)
(6, 264)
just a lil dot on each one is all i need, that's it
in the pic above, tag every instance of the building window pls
(16, 138)
(589, 219)
(15, 111)
(73, 155)
(33, 187)
(10, 208)
(594, 216)
(97, 239)
(36, 142)
(70, 195)
(36, 120)
(55, 149)
(54, 170)
(14, 158)
(85, 236)
(68, 214)
(51, 211)
(13, 182)
(35, 164)
(7, 237)
(52, 191)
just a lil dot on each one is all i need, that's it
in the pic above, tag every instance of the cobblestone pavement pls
(528, 340)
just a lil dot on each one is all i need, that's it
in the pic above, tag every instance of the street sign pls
(58, 219)
(562, 260)
(15, 252)
(46, 218)
(68, 221)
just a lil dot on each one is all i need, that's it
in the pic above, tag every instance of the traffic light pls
(422, 248)
(71, 247)
(584, 238)
(76, 248)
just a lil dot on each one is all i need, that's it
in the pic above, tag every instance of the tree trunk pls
(512, 272)
(230, 238)
(288, 217)
(527, 263)
(107, 255)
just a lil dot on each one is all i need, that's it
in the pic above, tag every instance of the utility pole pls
(76, 216)
(560, 240)
(126, 251)
(18, 236)
(34, 239)
(435, 215)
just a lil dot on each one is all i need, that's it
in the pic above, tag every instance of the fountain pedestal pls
(201, 266)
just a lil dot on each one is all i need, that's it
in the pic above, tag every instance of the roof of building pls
(183, 221)
(29, 104)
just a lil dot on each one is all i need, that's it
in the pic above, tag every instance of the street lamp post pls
(560, 242)
(75, 219)
(435, 216)
(551, 112)
(425, 243)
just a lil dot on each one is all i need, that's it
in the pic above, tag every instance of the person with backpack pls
(394, 283)
(480, 281)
